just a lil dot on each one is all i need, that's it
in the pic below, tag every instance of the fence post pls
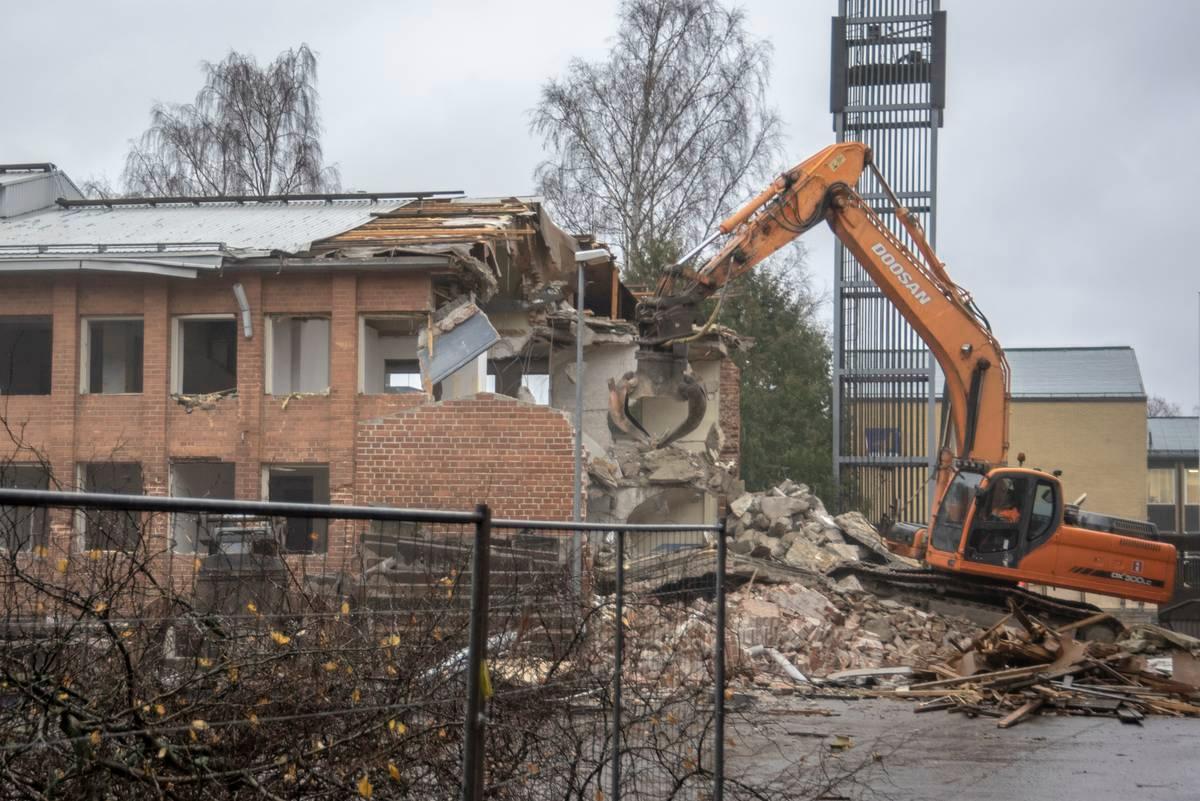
(473, 726)
(618, 672)
(719, 669)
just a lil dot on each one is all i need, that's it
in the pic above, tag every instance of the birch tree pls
(251, 130)
(656, 142)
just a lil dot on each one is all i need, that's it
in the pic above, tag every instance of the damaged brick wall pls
(454, 454)
(730, 412)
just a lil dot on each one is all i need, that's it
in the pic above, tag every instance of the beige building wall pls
(1100, 445)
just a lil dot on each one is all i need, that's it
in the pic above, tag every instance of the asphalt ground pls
(896, 754)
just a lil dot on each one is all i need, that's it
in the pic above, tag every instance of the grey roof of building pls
(1073, 373)
(1096, 372)
(238, 230)
(1173, 436)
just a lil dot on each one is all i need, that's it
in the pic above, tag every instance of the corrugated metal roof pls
(1173, 436)
(1106, 372)
(244, 230)
(1103, 372)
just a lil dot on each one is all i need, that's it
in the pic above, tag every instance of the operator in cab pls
(1004, 503)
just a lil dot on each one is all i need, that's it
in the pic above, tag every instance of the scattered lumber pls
(1021, 667)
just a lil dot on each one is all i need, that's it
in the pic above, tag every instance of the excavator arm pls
(822, 189)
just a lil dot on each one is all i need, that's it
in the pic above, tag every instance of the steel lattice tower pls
(887, 90)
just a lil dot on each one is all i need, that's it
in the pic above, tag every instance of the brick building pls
(289, 350)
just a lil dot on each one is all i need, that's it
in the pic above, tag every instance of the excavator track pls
(976, 598)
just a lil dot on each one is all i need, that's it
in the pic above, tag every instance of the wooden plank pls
(982, 678)
(1019, 714)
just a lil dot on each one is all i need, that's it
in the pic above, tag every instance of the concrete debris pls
(793, 516)
(634, 481)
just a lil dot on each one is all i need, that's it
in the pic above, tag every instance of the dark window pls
(23, 528)
(25, 355)
(301, 484)
(114, 356)
(111, 529)
(208, 350)
(1162, 516)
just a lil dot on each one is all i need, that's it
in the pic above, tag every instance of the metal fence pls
(230, 648)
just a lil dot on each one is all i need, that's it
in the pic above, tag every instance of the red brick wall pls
(452, 455)
(249, 429)
(730, 413)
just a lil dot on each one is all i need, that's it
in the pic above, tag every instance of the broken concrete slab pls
(776, 508)
(741, 505)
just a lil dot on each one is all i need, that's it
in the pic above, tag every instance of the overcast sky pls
(1067, 158)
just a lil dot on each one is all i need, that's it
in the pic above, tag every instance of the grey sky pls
(1067, 157)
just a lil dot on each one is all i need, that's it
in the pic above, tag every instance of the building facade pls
(389, 349)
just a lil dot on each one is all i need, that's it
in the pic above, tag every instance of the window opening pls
(112, 350)
(207, 350)
(298, 359)
(111, 529)
(193, 532)
(301, 484)
(511, 376)
(26, 349)
(1161, 485)
(402, 375)
(23, 528)
(388, 354)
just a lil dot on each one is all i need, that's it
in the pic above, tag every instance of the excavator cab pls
(1015, 512)
(997, 518)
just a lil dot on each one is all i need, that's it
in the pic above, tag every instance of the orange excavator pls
(993, 526)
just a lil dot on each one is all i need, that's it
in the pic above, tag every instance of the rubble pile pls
(1020, 667)
(824, 632)
(790, 524)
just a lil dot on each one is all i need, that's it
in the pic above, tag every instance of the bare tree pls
(655, 143)
(98, 187)
(1158, 406)
(251, 131)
